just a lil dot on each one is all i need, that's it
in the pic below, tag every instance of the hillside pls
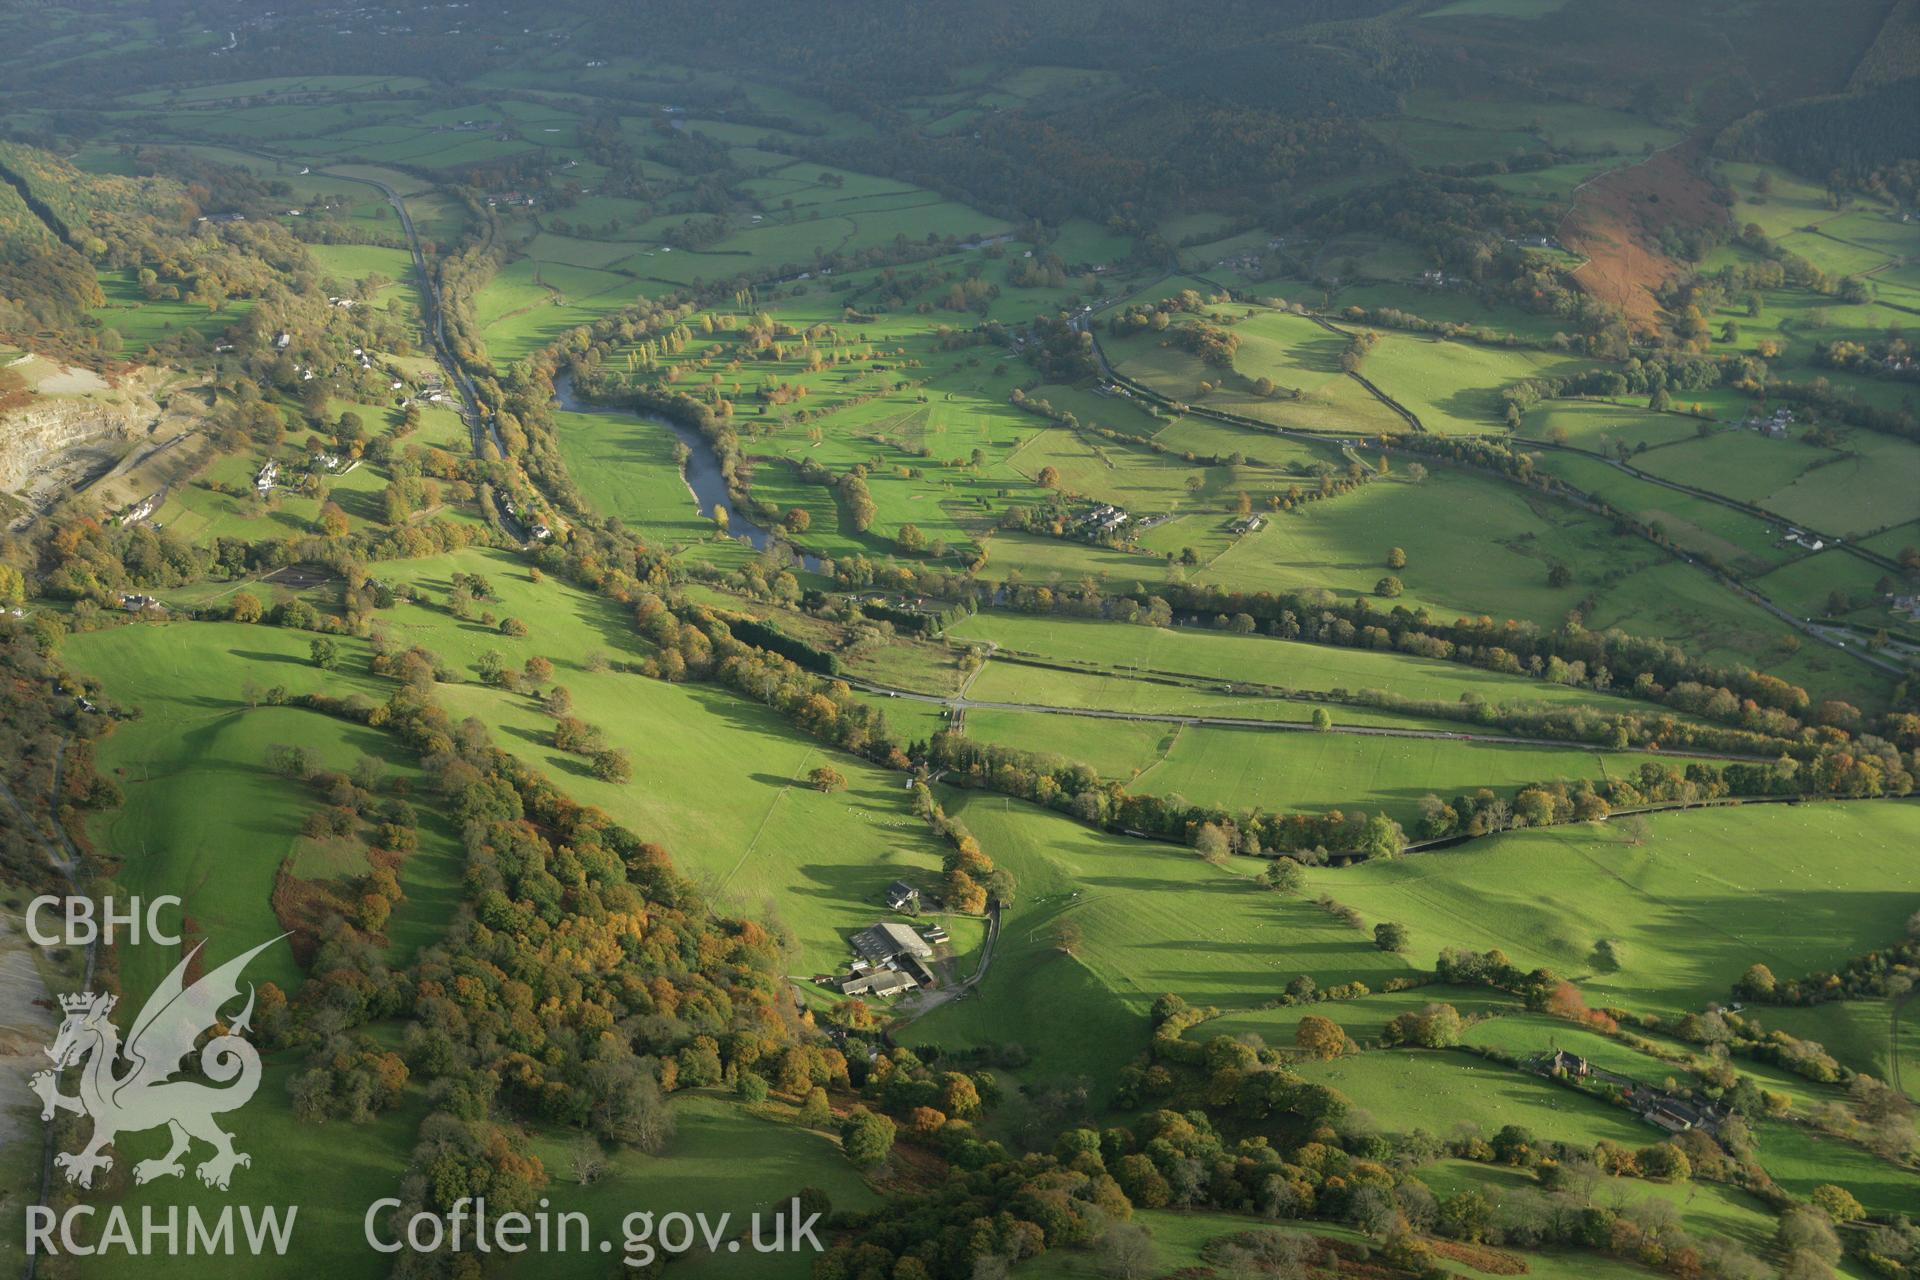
(1229, 640)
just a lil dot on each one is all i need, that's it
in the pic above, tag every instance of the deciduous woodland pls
(1123, 639)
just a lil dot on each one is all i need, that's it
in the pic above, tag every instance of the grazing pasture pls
(1690, 899)
(205, 818)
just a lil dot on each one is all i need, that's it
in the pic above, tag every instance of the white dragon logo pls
(144, 1096)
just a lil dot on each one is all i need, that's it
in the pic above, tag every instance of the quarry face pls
(76, 433)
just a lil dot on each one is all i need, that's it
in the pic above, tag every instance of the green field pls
(722, 1159)
(199, 793)
(1692, 903)
(1213, 937)
(1285, 664)
(1275, 287)
(1706, 1209)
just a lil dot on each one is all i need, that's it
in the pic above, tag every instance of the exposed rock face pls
(42, 443)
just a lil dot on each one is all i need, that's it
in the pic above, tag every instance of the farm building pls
(1571, 1063)
(884, 942)
(878, 982)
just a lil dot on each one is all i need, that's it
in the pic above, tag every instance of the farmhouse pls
(1571, 1063)
(264, 481)
(902, 896)
(1104, 518)
(888, 941)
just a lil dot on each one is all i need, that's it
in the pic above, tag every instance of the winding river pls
(701, 471)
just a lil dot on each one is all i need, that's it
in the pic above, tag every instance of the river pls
(701, 472)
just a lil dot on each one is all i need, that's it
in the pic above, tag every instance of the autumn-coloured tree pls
(1320, 1037)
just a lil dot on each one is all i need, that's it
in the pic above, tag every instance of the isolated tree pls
(798, 520)
(1322, 719)
(613, 766)
(1389, 936)
(827, 779)
(333, 521)
(1283, 875)
(324, 652)
(1396, 558)
(1389, 587)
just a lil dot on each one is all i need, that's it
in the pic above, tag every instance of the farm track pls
(962, 704)
(959, 989)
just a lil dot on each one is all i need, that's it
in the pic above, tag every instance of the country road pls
(469, 394)
(483, 428)
(1834, 636)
